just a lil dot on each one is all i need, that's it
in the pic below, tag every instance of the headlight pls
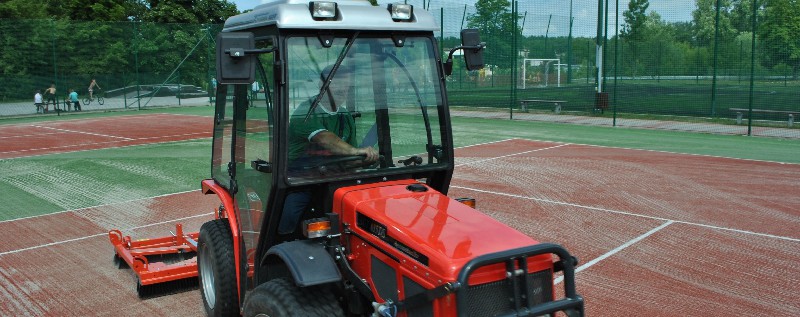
(400, 11)
(322, 9)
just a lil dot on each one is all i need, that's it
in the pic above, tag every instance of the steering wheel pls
(324, 163)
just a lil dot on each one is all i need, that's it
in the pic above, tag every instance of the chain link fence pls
(135, 65)
(675, 65)
(690, 65)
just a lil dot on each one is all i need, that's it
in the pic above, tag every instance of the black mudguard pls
(308, 261)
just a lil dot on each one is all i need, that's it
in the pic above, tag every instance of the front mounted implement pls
(162, 265)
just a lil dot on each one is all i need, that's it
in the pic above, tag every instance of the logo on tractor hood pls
(378, 230)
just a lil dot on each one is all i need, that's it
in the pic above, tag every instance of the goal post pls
(540, 69)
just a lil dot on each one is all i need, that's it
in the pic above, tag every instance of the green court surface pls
(475, 130)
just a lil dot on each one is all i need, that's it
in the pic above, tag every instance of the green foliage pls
(634, 30)
(705, 20)
(635, 19)
(779, 32)
(73, 41)
(23, 9)
(496, 23)
(189, 11)
(742, 15)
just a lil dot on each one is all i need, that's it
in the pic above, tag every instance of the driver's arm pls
(329, 141)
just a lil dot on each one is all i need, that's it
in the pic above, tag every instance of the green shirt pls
(301, 131)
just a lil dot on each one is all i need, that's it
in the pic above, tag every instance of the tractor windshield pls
(380, 108)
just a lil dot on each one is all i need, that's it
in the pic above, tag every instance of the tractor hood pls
(420, 223)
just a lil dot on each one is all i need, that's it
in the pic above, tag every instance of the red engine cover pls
(428, 228)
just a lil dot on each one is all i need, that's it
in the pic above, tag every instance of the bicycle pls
(97, 95)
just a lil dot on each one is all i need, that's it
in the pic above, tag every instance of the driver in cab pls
(316, 134)
(330, 127)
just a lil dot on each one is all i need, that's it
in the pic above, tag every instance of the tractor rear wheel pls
(282, 298)
(217, 269)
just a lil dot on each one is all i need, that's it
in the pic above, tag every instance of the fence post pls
(714, 68)
(752, 70)
(136, 62)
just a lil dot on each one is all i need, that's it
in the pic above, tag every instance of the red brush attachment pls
(162, 265)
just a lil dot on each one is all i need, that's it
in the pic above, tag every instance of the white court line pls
(104, 148)
(616, 250)
(669, 152)
(81, 132)
(171, 136)
(99, 234)
(526, 152)
(485, 143)
(97, 206)
(27, 135)
(121, 118)
(631, 214)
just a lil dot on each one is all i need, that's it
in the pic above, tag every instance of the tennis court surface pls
(657, 234)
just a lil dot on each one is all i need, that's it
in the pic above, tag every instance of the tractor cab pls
(371, 76)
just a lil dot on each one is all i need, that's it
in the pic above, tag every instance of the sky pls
(539, 11)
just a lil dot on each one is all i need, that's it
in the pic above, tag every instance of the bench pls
(523, 104)
(740, 113)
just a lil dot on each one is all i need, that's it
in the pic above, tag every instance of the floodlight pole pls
(714, 69)
(616, 61)
(605, 41)
(752, 70)
(599, 46)
(569, 46)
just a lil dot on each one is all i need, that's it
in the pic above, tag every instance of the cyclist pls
(91, 88)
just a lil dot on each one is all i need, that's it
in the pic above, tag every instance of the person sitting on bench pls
(38, 102)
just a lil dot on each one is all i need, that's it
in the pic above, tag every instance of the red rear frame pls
(135, 254)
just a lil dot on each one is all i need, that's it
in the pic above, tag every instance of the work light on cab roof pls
(401, 12)
(323, 9)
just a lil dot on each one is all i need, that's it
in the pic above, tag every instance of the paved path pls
(27, 108)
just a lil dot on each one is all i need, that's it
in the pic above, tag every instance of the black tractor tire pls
(217, 269)
(282, 298)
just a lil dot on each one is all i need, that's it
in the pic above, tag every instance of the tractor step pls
(163, 265)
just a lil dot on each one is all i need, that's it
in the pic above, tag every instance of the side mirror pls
(234, 64)
(473, 48)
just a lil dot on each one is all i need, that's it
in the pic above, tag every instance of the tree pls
(496, 23)
(705, 21)
(742, 15)
(635, 20)
(23, 9)
(71, 41)
(633, 31)
(779, 31)
(189, 11)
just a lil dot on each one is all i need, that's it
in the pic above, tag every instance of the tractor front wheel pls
(217, 269)
(282, 298)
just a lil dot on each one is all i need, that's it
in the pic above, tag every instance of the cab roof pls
(351, 15)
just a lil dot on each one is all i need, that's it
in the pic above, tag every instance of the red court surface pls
(91, 134)
(657, 234)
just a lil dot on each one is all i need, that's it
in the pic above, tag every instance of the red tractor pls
(332, 179)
